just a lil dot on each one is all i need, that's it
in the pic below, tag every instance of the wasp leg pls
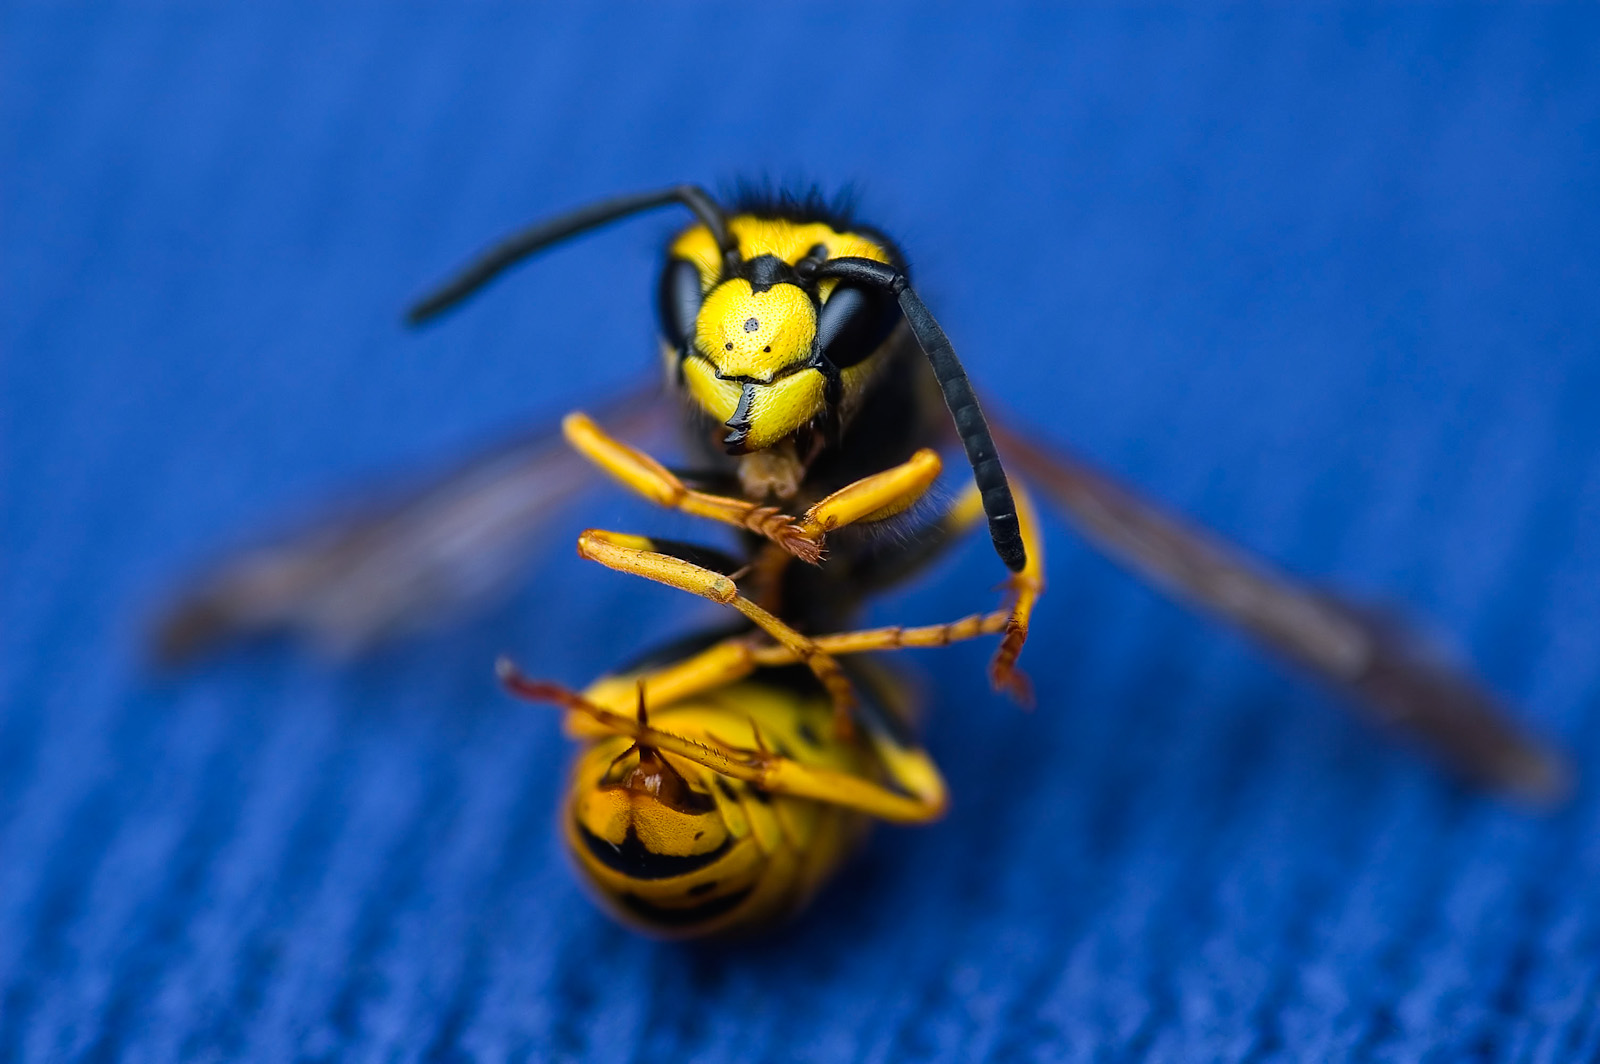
(640, 556)
(1011, 623)
(893, 637)
(717, 666)
(971, 425)
(737, 657)
(918, 795)
(892, 492)
(640, 473)
(1025, 586)
(874, 498)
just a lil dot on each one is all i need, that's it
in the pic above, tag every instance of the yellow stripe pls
(789, 241)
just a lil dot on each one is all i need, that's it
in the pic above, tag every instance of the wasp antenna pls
(518, 246)
(1005, 528)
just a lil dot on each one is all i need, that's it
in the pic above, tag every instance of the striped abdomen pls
(681, 851)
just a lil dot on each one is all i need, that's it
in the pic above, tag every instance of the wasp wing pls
(401, 562)
(1384, 670)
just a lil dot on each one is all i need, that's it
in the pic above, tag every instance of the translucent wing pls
(1384, 671)
(402, 562)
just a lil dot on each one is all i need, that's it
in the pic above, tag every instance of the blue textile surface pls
(1327, 283)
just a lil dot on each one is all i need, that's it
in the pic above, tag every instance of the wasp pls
(722, 782)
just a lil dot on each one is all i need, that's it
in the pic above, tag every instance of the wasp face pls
(756, 335)
(753, 363)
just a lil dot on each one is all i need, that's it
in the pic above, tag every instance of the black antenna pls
(987, 472)
(541, 235)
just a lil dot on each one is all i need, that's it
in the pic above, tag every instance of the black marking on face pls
(764, 271)
(634, 859)
(727, 790)
(808, 735)
(700, 889)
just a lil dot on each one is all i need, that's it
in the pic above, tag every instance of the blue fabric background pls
(1328, 283)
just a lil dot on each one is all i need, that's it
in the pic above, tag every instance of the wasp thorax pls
(756, 334)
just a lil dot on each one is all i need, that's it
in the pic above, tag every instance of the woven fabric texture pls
(1326, 283)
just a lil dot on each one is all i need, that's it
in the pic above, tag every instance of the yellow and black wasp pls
(724, 779)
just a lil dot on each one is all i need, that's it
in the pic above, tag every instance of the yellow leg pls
(894, 637)
(640, 473)
(874, 498)
(924, 799)
(1025, 587)
(733, 659)
(717, 666)
(635, 554)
